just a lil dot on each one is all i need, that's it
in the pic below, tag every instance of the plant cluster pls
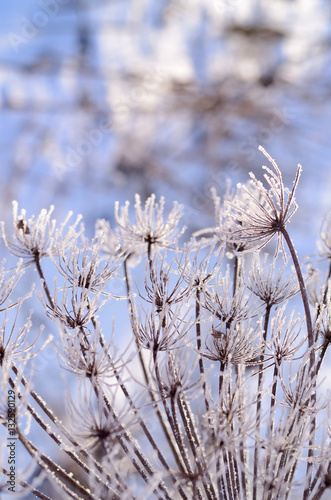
(218, 394)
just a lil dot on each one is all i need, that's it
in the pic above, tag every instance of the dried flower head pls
(220, 301)
(269, 211)
(199, 270)
(107, 238)
(161, 332)
(270, 287)
(14, 345)
(286, 336)
(89, 358)
(233, 343)
(97, 429)
(224, 220)
(149, 229)
(34, 239)
(76, 308)
(8, 283)
(179, 375)
(82, 265)
(160, 291)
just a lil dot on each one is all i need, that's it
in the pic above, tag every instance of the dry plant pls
(218, 396)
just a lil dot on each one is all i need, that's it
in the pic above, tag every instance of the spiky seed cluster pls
(286, 336)
(82, 265)
(225, 306)
(229, 343)
(270, 209)
(34, 239)
(159, 289)
(270, 287)
(162, 331)
(149, 228)
(76, 308)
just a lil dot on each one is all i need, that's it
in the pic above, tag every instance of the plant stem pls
(304, 298)
(311, 342)
(198, 331)
(42, 277)
(259, 402)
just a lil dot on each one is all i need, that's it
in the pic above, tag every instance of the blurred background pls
(103, 99)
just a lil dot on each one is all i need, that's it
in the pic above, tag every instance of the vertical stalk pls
(311, 342)
(198, 331)
(259, 402)
(271, 420)
(304, 296)
(236, 276)
(42, 277)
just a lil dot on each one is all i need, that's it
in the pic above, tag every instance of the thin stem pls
(61, 477)
(311, 342)
(198, 331)
(235, 274)
(325, 294)
(304, 296)
(271, 419)
(163, 394)
(57, 439)
(324, 348)
(134, 448)
(178, 431)
(325, 481)
(188, 421)
(259, 403)
(148, 434)
(42, 277)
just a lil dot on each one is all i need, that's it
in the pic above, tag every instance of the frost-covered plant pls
(219, 396)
